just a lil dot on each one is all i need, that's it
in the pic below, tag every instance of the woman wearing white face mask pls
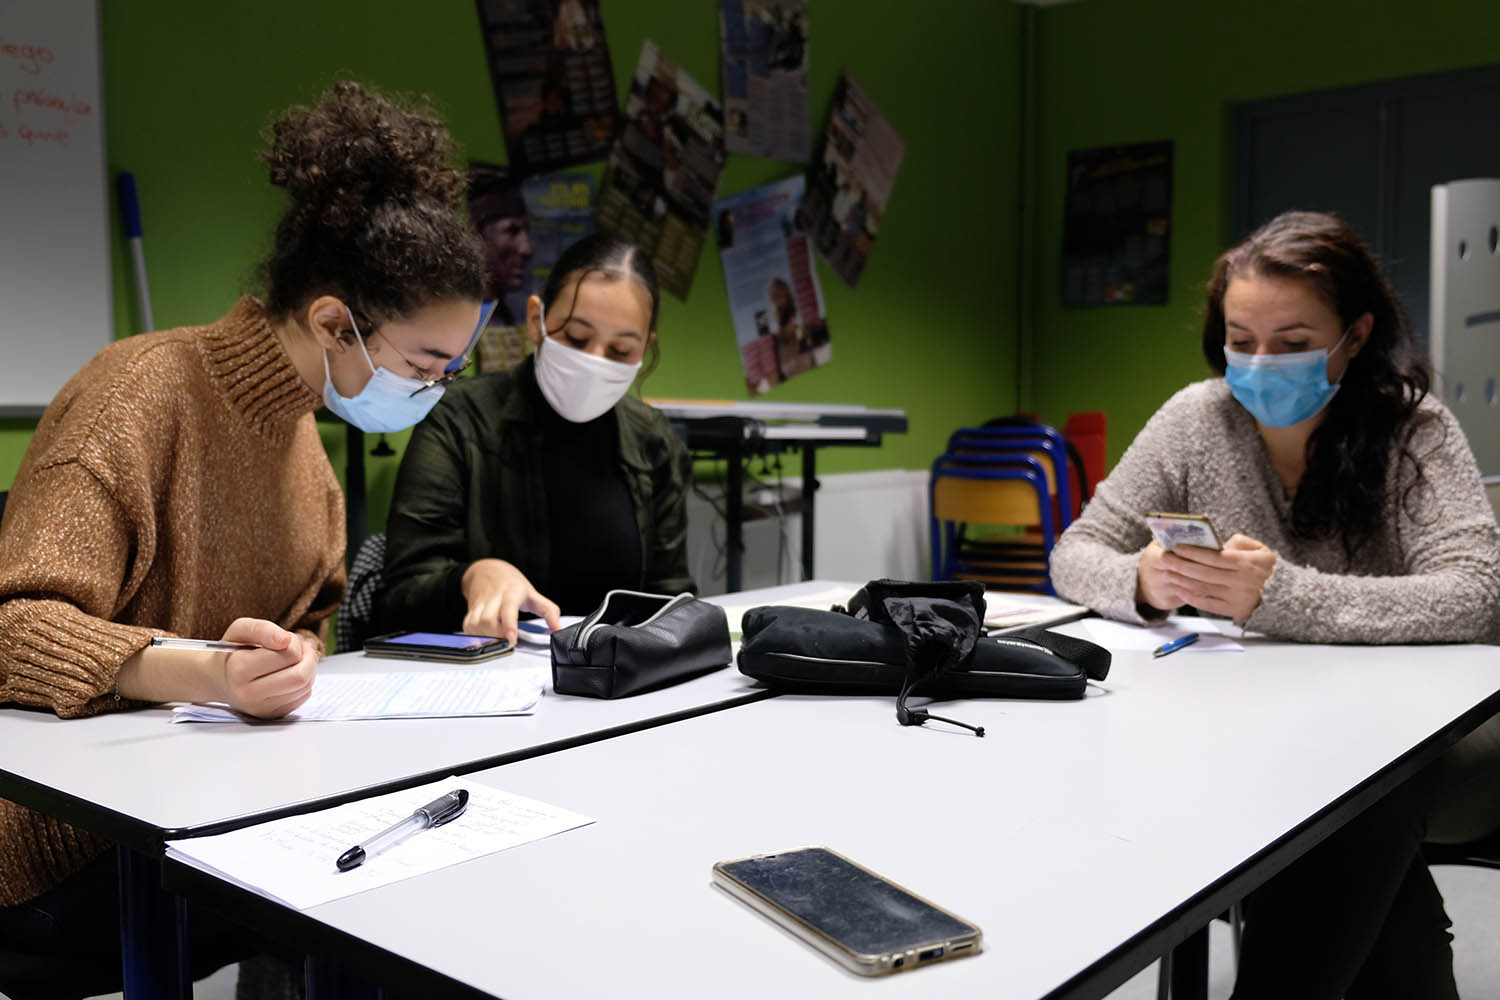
(177, 485)
(544, 487)
(1353, 513)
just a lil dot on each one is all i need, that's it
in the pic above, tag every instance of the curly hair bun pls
(376, 214)
(355, 149)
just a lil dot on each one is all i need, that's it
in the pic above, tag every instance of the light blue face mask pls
(388, 402)
(1281, 389)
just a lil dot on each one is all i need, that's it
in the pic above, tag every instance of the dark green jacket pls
(470, 487)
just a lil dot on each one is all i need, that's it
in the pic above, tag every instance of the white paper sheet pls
(426, 694)
(1119, 637)
(1010, 610)
(292, 860)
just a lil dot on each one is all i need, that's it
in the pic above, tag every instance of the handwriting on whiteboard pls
(36, 116)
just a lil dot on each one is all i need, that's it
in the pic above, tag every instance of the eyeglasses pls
(449, 374)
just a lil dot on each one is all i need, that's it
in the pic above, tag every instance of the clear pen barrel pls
(394, 835)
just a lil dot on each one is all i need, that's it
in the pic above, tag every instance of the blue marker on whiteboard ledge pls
(130, 206)
(1175, 644)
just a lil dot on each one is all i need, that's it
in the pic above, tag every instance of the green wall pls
(1124, 71)
(188, 86)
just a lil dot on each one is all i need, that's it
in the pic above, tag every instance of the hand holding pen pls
(264, 671)
(441, 810)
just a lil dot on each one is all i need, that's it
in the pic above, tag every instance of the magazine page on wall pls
(659, 186)
(774, 296)
(849, 185)
(525, 225)
(764, 55)
(554, 83)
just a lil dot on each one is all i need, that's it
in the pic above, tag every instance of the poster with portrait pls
(774, 297)
(659, 186)
(524, 226)
(763, 56)
(1117, 223)
(849, 184)
(554, 83)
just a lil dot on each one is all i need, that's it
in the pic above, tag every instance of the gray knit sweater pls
(1430, 574)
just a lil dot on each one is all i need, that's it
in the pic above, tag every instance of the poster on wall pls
(1116, 225)
(554, 84)
(524, 225)
(849, 185)
(763, 55)
(774, 296)
(663, 172)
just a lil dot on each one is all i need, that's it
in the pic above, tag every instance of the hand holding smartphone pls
(867, 923)
(1172, 530)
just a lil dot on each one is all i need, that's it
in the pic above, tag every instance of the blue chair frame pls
(945, 563)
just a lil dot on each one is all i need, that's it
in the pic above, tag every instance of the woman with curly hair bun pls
(177, 485)
(1354, 513)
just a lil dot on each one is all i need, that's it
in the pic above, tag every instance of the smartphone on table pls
(864, 921)
(449, 647)
(1171, 530)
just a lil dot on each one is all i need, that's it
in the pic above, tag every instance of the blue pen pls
(1175, 644)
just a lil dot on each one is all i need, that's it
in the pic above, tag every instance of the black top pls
(592, 534)
(478, 481)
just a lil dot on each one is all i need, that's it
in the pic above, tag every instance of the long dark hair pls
(376, 215)
(616, 259)
(1343, 491)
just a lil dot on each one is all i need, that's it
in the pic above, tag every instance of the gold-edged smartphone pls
(864, 921)
(1172, 530)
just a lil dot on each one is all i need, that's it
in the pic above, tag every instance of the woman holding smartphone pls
(1352, 512)
(542, 488)
(177, 485)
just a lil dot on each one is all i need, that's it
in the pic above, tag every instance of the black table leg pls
(734, 517)
(809, 488)
(1190, 968)
(356, 525)
(153, 932)
(326, 980)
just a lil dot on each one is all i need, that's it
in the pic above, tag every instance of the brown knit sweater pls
(176, 483)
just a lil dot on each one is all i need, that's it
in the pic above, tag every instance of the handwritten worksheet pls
(293, 860)
(425, 694)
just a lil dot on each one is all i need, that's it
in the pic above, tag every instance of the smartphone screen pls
(445, 646)
(1171, 530)
(442, 640)
(854, 907)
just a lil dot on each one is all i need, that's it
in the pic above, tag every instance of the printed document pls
(1119, 637)
(424, 694)
(292, 860)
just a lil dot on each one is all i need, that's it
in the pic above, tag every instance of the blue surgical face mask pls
(1281, 389)
(388, 402)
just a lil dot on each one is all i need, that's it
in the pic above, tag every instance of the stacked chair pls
(1000, 497)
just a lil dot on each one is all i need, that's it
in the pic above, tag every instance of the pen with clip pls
(1176, 644)
(435, 813)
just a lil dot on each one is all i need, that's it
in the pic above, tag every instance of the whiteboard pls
(56, 309)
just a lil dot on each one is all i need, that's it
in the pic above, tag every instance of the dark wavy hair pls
(616, 259)
(376, 215)
(1344, 489)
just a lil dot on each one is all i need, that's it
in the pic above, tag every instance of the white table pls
(1085, 838)
(137, 779)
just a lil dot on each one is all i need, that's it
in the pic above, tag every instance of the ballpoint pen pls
(435, 813)
(171, 642)
(1175, 644)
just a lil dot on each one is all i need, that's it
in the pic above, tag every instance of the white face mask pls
(578, 385)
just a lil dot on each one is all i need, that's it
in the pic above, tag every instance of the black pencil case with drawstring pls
(854, 651)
